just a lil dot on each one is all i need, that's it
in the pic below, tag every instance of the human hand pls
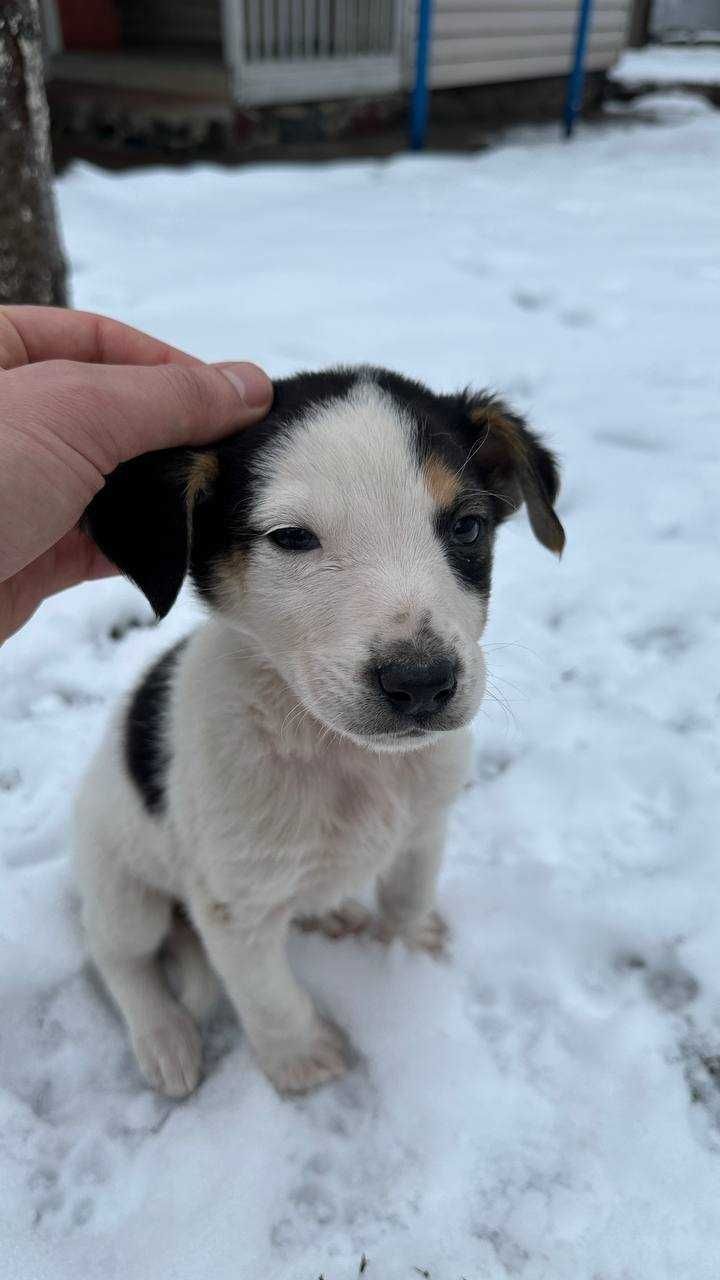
(80, 394)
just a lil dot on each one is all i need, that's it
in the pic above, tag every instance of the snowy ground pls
(546, 1105)
(667, 65)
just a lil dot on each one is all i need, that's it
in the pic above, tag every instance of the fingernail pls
(254, 386)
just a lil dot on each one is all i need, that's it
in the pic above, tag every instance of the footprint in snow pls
(666, 639)
(670, 986)
(627, 438)
(577, 318)
(531, 299)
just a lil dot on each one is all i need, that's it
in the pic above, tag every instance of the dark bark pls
(32, 266)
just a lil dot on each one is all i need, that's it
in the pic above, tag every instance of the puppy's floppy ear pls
(142, 518)
(516, 467)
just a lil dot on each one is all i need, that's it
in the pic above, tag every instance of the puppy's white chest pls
(354, 827)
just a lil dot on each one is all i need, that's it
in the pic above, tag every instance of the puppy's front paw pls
(326, 1056)
(169, 1054)
(430, 933)
(348, 920)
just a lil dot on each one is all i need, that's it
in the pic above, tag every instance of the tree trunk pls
(32, 266)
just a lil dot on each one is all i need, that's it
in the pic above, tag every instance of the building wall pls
(286, 51)
(487, 41)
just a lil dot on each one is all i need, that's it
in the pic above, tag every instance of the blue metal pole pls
(419, 100)
(576, 79)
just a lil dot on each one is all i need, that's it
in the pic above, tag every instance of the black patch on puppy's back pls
(146, 750)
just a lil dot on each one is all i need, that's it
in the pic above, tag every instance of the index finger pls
(29, 334)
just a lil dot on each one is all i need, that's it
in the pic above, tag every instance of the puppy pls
(309, 738)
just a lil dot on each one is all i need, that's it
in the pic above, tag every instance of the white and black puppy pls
(310, 737)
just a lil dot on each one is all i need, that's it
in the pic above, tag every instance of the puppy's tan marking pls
(494, 420)
(442, 484)
(220, 913)
(201, 476)
(228, 573)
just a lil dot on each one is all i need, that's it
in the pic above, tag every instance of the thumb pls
(110, 413)
(178, 404)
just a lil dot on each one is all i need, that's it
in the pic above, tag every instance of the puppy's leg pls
(192, 978)
(126, 923)
(406, 893)
(296, 1048)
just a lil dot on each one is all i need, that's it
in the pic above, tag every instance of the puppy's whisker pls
(475, 449)
(504, 705)
(293, 715)
(505, 644)
(514, 644)
(503, 680)
(327, 731)
(501, 497)
(293, 719)
(300, 721)
(498, 693)
(233, 653)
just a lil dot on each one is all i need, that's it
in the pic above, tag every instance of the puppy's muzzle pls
(418, 690)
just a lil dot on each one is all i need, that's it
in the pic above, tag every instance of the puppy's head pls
(349, 536)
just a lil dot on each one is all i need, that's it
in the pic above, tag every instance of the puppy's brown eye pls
(465, 530)
(294, 539)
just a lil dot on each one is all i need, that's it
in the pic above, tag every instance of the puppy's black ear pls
(142, 518)
(517, 467)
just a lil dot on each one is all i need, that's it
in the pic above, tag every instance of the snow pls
(660, 65)
(546, 1103)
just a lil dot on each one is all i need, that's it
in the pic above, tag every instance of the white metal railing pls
(287, 50)
(280, 29)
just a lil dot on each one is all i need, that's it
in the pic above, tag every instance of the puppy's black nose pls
(418, 688)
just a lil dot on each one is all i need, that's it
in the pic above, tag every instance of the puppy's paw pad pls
(170, 1055)
(326, 1057)
(347, 920)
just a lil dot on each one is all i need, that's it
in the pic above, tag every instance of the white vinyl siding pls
(493, 40)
